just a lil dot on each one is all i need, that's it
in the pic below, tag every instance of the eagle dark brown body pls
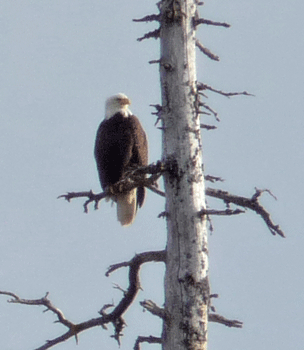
(120, 144)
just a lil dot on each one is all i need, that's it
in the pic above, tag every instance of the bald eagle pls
(121, 143)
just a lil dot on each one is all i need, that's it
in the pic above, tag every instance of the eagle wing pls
(139, 153)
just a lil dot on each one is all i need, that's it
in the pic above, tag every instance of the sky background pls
(59, 61)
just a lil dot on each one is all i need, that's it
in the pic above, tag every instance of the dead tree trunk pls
(186, 279)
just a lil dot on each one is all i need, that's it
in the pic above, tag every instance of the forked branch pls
(114, 317)
(154, 309)
(248, 203)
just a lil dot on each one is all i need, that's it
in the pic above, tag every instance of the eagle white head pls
(117, 104)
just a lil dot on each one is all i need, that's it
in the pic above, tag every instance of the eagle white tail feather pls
(126, 207)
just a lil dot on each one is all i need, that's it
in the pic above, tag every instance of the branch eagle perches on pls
(132, 178)
(136, 177)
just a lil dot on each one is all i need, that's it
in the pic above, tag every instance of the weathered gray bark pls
(186, 280)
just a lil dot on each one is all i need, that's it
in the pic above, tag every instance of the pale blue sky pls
(59, 61)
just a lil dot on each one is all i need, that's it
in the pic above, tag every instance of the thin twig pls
(227, 212)
(159, 256)
(202, 86)
(157, 191)
(154, 309)
(213, 179)
(157, 113)
(198, 21)
(150, 340)
(148, 18)
(154, 34)
(208, 127)
(163, 215)
(215, 114)
(229, 323)
(154, 61)
(206, 51)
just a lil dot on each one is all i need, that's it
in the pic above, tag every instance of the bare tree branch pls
(132, 178)
(154, 34)
(158, 256)
(229, 323)
(206, 51)
(156, 190)
(208, 108)
(150, 340)
(148, 18)
(44, 302)
(92, 197)
(158, 111)
(163, 215)
(155, 62)
(208, 127)
(201, 86)
(227, 212)
(150, 306)
(114, 317)
(198, 21)
(250, 203)
(213, 179)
